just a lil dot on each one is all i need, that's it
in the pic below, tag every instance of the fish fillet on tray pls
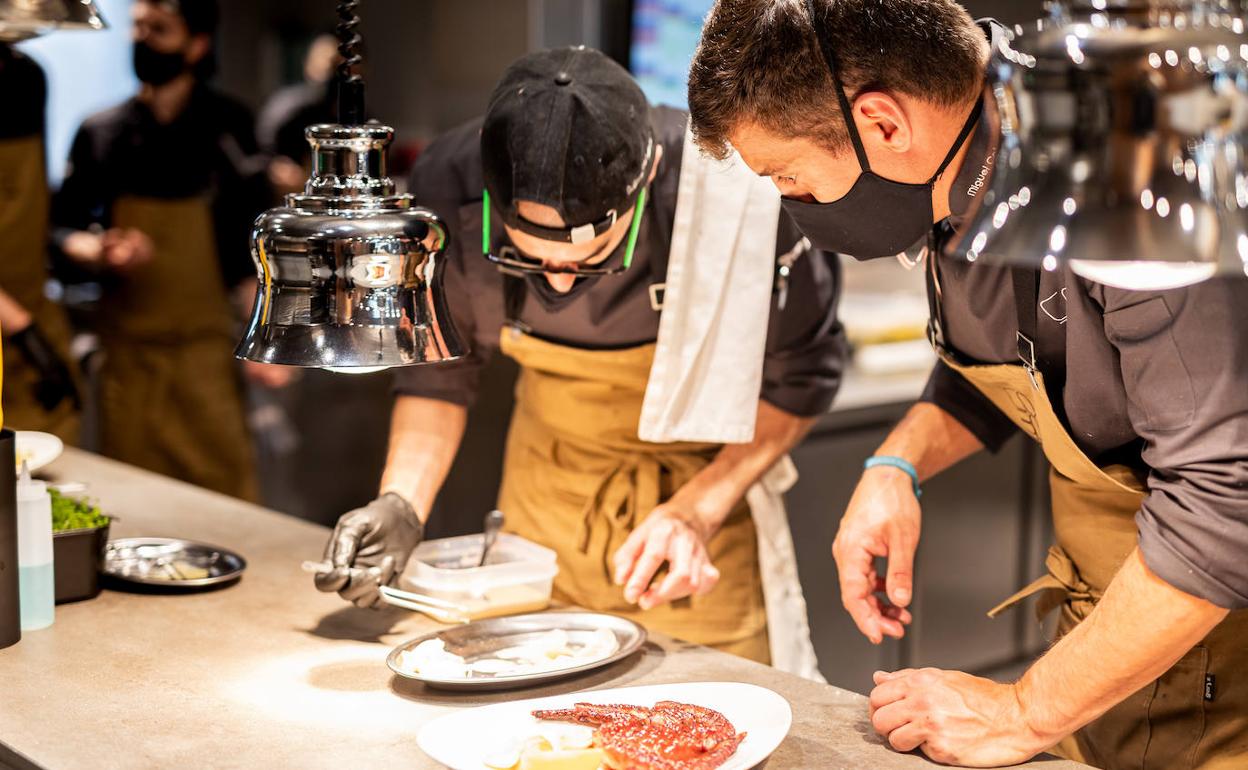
(690, 726)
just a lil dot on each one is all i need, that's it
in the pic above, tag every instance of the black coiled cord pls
(350, 82)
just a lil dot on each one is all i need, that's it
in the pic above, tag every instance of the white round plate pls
(37, 449)
(456, 740)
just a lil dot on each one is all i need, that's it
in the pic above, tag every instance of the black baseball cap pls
(570, 129)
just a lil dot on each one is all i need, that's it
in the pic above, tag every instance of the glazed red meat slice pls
(589, 714)
(670, 736)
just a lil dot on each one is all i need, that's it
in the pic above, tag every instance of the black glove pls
(55, 383)
(369, 548)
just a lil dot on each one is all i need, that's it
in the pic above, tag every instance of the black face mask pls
(877, 217)
(157, 68)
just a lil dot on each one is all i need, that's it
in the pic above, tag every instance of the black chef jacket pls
(1157, 380)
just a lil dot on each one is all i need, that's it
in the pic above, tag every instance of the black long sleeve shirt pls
(1157, 380)
(25, 92)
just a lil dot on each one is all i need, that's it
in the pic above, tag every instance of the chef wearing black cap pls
(158, 201)
(562, 207)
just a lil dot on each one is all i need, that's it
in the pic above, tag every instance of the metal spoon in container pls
(493, 523)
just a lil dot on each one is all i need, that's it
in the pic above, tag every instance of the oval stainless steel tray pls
(171, 562)
(480, 638)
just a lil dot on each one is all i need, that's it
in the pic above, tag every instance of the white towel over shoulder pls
(708, 366)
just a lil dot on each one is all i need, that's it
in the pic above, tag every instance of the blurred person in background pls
(40, 391)
(157, 204)
(290, 110)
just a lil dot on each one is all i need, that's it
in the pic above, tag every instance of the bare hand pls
(272, 376)
(124, 249)
(286, 176)
(882, 519)
(669, 535)
(954, 718)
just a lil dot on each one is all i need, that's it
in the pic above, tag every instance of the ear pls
(658, 156)
(199, 47)
(882, 122)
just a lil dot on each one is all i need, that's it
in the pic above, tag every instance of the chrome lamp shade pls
(24, 19)
(349, 273)
(1122, 145)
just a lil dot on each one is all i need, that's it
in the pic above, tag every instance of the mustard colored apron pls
(171, 399)
(1195, 716)
(577, 479)
(23, 246)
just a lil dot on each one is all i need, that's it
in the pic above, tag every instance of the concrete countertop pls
(269, 672)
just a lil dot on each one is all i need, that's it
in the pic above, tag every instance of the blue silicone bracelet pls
(895, 462)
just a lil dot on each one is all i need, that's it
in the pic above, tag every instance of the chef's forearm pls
(715, 491)
(949, 391)
(930, 439)
(424, 437)
(1138, 630)
(13, 317)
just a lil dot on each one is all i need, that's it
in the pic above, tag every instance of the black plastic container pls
(77, 559)
(10, 609)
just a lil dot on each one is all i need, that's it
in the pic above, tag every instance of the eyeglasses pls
(510, 259)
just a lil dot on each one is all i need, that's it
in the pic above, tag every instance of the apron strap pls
(658, 256)
(935, 308)
(514, 294)
(1061, 585)
(515, 291)
(1046, 583)
(1026, 302)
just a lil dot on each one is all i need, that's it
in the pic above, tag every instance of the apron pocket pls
(1176, 714)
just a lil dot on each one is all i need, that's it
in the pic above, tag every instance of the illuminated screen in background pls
(87, 72)
(665, 35)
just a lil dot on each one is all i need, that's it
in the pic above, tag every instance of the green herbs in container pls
(79, 537)
(70, 513)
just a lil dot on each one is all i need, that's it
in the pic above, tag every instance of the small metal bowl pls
(481, 638)
(170, 563)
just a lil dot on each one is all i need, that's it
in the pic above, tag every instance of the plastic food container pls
(517, 579)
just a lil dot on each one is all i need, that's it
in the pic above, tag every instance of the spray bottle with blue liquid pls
(36, 580)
